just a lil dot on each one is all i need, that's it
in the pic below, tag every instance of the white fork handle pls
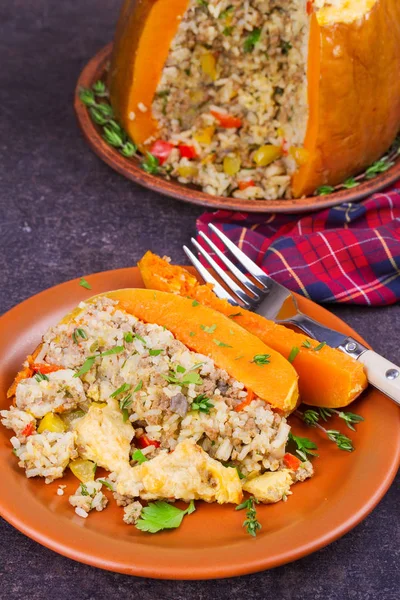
(382, 374)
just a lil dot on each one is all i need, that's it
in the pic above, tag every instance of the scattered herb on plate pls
(251, 523)
(161, 515)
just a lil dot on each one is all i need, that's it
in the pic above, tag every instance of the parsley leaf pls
(202, 404)
(221, 344)
(155, 352)
(128, 337)
(139, 457)
(83, 283)
(195, 303)
(210, 329)
(251, 40)
(261, 359)
(161, 515)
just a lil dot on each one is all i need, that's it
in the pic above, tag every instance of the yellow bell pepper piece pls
(232, 165)
(266, 155)
(300, 155)
(83, 469)
(187, 171)
(53, 423)
(204, 136)
(209, 65)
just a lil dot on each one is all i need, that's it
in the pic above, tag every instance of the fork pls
(273, 301)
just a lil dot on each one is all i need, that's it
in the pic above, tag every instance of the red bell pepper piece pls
(227, 121)
(187, 151)
(28, 430)
(249, 398)
(143, 442)
(243, 185)
(161, 150)
(310, 6)
(44, 369)
(291, 461)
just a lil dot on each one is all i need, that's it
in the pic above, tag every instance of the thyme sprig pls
(101, 113)
(251, 523)
(380, 166)
(311, 418)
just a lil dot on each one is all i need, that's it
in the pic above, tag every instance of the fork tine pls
(233, 268)
(247, 301)
(206, 275)
(251, 266)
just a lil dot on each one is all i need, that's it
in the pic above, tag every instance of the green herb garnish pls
(304, 446)
(41, 377)
(306, 344)
(125, 387)
(285, 47)
(195, 303)
(83, 283)
(319, 347)
(150, 164)
(350, 183)
(124, 404)
(139, 457)
(261, 359)
(225, 13)
(221, 344)
(89, 362)
(107, 484)
(210, 329)
(251, 522)
(155, 352)
(238, 314)
(192, 334)
(115, 350)
(252, 39)
(128, 337)
(161, 515)
(84, 490)
(139, 337)
(202, 404)
(293, 353)
(79, 333)
(342, 441)
(324, 190)
(138, 387)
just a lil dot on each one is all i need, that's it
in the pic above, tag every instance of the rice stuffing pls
(129, 397)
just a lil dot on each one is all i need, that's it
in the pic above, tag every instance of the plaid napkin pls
(349, 253)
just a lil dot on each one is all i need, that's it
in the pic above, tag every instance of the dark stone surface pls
(64, 213)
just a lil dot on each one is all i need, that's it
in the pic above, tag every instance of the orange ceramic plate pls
(211, 542)
(130, 168)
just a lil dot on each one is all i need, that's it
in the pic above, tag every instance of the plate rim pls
(249, 565)
(95, 68)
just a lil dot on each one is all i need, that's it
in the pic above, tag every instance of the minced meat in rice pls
(234, 89)
(124, 386)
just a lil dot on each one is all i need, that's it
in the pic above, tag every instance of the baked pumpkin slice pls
(327, 378)
(259, 99)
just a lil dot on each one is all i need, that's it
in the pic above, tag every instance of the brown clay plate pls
(130, 168)
(211, 543)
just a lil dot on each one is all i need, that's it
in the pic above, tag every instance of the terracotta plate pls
(211, 543)
(130, 168)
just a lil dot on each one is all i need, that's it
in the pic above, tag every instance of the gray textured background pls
(64, 213)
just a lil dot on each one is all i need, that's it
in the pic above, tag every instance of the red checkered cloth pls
(349, 253)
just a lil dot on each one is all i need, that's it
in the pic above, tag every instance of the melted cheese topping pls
(342, 11)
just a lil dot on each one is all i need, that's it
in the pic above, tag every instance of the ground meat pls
(179, 404)
(222, 386)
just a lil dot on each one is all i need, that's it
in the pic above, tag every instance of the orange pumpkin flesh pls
(144, 34)
(353, 84)
(230, 346)
(326, 378)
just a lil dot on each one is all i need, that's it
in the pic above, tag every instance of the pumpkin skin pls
(327, 378)
(354, 96)
(353, 84)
